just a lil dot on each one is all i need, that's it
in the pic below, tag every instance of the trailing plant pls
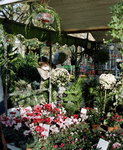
(37, 8)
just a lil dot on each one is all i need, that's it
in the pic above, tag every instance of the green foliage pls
(102, 57)
(26, 68)
(88, 87)
(94, 117)
(73, 138)
(73, 97)
(32, 44)
(116, 23)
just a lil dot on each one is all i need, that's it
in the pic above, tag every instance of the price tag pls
(83, 110)
(102, 144)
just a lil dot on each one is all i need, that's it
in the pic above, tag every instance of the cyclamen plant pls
(60, 77)
(30, 123)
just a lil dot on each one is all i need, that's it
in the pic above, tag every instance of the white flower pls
(26, 132)
(60, 77)
(107, 80)
(18, 126)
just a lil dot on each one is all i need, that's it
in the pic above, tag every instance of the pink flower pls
(116, 145)
(42, 147)
(69, 137)
(55, 146)
(62, 144)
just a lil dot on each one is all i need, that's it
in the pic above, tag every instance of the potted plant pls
(94, 117)
(44, 14)
(118, 121)
(109, 121)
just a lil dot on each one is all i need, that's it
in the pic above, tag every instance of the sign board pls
(102, 144)
(9, 2)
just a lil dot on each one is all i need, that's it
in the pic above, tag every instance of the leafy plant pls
(72, 100)
(88, 87)
(109, 121)
(102, 57)
(94, 117)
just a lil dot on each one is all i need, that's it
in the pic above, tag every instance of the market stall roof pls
(42, 34)
(82, 16)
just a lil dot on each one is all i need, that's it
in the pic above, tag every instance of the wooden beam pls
(9, 2)
(87, 30)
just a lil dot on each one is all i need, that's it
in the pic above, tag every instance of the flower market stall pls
(89, 115)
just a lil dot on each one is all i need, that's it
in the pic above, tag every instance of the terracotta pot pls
(94, 126)
(110, 128)
(115, 127)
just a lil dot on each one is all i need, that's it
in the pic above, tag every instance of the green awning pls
(13, 27)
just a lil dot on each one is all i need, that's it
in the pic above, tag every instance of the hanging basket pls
(45, 18)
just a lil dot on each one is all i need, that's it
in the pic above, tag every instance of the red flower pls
(102, 118)
(59, 105)
(12, 112)
(62, 144)
(112, 147)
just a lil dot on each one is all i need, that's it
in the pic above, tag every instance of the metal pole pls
(5, 71)
(50, 86)
(75, 63)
